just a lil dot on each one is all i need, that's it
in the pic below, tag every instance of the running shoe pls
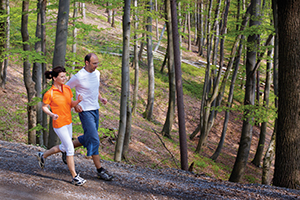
(64, 157)
(104, 175)
(41, 159)
(77, 180)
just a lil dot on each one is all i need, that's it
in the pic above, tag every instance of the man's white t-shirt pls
(87, 85)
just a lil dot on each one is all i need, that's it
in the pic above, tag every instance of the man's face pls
(93, 64)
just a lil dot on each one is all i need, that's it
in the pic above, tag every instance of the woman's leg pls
(71, 165)
(65, 135)
(51, 151)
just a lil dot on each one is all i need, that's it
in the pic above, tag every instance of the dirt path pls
(21, 178)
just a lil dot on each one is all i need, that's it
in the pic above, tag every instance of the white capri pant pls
(65, 135)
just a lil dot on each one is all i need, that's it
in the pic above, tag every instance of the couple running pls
(59, 98)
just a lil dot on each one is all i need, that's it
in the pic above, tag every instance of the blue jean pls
(90, 139)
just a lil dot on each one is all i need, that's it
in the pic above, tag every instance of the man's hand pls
(103, 100)
(78, 108)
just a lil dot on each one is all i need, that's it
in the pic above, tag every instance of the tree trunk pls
(156, 20)
(189, 29)
(180, 104)
(196, 21)
(270, 153)
(136, 62)
(263, 129)
(2, 37)
(83, 11)
(150, 103)
(59, 52)
(200, 42)
(29, 84)
(109, 13)
(160, 38)
(246, 136)
(269, 156)
(125, 83)
(207, 119)
(287, 159)
(75, 15)
(37, 77)
(229, 104)
(7, 47)
(44, 81)
(204, 110)
(171, 72)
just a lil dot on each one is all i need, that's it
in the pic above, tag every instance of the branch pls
(166, 148)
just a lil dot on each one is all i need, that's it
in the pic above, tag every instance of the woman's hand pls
(54, 116)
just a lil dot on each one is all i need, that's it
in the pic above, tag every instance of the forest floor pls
(149, 171)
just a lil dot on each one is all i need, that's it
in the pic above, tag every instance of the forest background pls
(96, 27)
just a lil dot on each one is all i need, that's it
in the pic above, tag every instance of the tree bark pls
(29, 84)
(263, 129)
(75, 15)
(44, 81)
(167, 128)
(59, 52)
(189, 29)
(136, 62)
(229, 104)
(246, 136)
(180, 104)
(287, 156)
(125, 83)
(150, 103)
(2, 38)
(7, 47)
(37, 77)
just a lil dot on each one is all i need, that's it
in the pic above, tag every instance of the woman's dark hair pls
(88, 57)
(54, 73)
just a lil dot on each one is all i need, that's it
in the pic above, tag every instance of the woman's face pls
(61, 78)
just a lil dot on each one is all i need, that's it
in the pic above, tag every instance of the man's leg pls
(96, 159)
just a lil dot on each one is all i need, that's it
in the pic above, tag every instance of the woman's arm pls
(48, 112)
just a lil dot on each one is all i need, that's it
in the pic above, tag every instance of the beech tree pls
(29, 84)
(125, 83)
(59, 51)
(37, 76)
(180, 104)
(167, 128)
(287, 152)
(150, 102)
(246, 137)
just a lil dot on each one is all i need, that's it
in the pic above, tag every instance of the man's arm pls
(102, 100)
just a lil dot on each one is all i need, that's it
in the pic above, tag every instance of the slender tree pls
(59, 52)
(2, 37)
(246, 137)
(270, 153)
(44, 81)
(263, 129)
(75, 15)
(136, 61)
(29, 84)
(7, 47)
(37, 76)
(150, 103)
(171, 72)
(287, 151)
(125, 83)
(180, 104)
